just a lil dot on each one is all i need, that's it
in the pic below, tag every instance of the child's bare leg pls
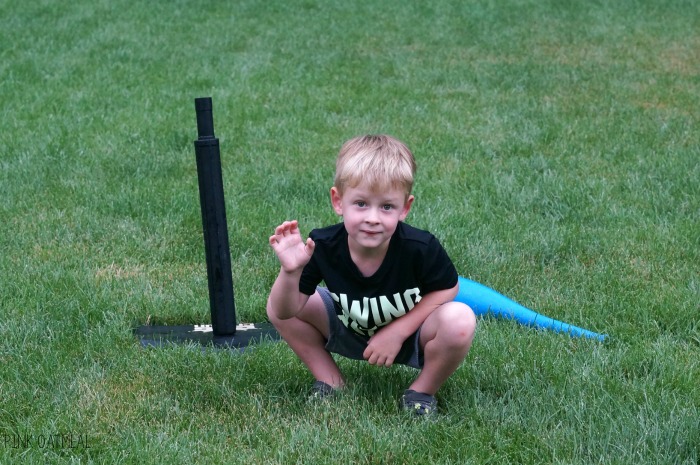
(306, 334)
(446, 336)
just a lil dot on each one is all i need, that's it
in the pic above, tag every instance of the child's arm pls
(386, 343)
(293, 253)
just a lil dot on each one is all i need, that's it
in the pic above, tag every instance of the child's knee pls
(457, 324)
(272, 313)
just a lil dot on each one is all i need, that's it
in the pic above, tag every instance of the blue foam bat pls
(484, 300)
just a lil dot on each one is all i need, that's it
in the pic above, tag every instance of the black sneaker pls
(418, 403)
(322, 391)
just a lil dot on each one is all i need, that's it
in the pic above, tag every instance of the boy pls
(389, 287)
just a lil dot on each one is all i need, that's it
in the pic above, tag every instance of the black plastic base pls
(246, 334)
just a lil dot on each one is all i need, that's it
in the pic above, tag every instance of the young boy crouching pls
(389, 287)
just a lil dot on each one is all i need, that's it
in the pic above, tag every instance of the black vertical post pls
(216, 246)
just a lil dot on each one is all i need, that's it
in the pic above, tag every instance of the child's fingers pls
(279, 230)
(286, 228)
(310, 246)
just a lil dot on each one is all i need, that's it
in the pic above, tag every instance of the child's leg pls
(445, 337)
(306, 334)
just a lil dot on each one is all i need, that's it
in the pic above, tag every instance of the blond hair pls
(382, 161)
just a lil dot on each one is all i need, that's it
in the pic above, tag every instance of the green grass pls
(559, 163)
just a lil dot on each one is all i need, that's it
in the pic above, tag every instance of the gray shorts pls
(345, 342)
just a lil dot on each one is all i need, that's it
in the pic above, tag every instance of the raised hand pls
(292, 252)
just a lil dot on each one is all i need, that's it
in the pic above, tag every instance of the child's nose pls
(372, 216)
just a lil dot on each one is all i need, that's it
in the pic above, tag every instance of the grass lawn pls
(558, 146)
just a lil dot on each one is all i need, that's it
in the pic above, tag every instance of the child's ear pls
(407, 207)
(336, 201)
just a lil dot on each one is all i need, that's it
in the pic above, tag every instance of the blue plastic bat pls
(484, 300)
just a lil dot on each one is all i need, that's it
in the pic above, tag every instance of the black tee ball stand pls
(223, 331)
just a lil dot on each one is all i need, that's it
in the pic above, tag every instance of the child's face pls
(370, 217)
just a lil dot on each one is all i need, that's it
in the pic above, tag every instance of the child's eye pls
(360, 203)
(387, 207)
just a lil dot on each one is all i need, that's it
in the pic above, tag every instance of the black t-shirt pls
(415, 265)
